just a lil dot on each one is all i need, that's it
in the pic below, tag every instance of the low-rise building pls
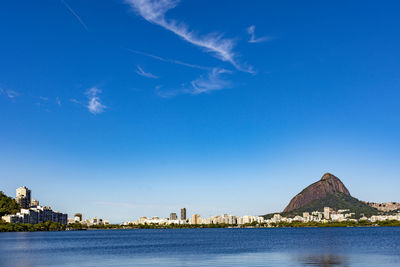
(36, 215)
(31, 212)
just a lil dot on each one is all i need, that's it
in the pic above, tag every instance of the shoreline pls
(8, 227)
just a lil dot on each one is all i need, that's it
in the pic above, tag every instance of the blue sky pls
(121, 109)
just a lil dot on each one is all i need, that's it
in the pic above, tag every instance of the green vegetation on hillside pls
(8, 205)
(335, 201)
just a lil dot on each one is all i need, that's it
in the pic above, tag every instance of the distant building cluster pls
(325, 216)
(89, 222)
(196, 219)
(381, 218)
(330, 215)
(31, 212)
(385, 207)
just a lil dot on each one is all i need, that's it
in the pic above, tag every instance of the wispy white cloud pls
(12, 94)
(76, 101)
(58, 101)
(164, 93)
(94, 104)
(253, 39)
(141, 72)
(213, 81)
(9, 93)
(43, 98)
(173, 61)
(75, 15)
(154, 11)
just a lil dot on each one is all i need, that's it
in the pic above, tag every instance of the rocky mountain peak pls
(328, 176)
(329, 184)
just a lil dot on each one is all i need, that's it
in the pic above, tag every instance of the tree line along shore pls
(52, 226)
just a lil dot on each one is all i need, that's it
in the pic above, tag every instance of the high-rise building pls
(31, 212)
(23, 197)
(327, 212)
(183, 214)
(173, 216)
(196, 219)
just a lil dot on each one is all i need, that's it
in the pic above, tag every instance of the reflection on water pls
(327, 260)
(336, 247)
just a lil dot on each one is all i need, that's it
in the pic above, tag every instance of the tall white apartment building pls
(23, 197)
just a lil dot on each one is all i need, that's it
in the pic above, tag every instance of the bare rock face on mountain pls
(329, 184)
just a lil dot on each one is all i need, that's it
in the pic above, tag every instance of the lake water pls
(322, 247)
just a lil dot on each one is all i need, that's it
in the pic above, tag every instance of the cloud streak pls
(253, 39)
(154, 11)
(141, 72)
(76, 101)
(75, 15)
(213, 81)
(173, 61)
(94, 104)
(9, 93)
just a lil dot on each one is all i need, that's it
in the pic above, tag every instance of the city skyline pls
(32, 213)
(121, 109)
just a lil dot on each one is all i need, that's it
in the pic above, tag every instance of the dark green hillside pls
(8, 205)
(335, 201)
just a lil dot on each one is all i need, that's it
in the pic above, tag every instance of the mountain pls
(336, 201)
(8, 205)
(329, 184)
(327, 192)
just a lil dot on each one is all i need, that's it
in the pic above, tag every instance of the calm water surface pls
(204, 247)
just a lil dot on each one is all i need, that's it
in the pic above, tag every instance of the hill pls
(336, 201)
(8, 205)
(328, 185)
(329, 191)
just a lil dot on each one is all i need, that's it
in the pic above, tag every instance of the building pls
(91, 222)
(224, 219)
(31, 212)
(327, 212)
(36, 215)
(78, 217)
(173, 216)
(337, 217)
(23, 197)
(196, 219)
(10, 218)
(34, 202)
(183, 214)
